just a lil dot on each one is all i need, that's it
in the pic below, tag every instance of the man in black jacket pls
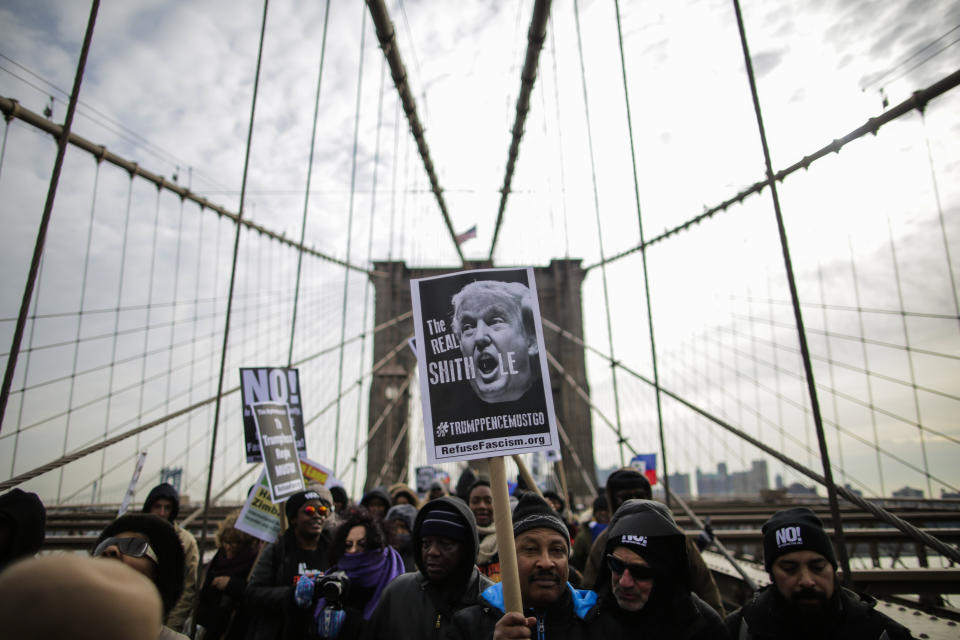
(806, 599)
(643, 586)
(420, 605)
(628, 483)
(552, 608)
(300, 550)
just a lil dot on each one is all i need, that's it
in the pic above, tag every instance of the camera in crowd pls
(331, 589)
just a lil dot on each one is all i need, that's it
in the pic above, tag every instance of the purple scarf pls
(375, 568)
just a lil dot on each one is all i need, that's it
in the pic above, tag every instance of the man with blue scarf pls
(552, 607)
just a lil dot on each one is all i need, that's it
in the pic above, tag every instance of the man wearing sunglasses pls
(300, 550)
(628, 483)
(149, 545)
(643, 582)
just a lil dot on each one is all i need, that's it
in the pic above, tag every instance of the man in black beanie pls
(643, 584)
(627, 484)
(421, 604)
(300, 550)
(552, 608)
(164, 501)
(805, 599)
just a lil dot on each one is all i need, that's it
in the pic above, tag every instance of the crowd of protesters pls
(398, 565)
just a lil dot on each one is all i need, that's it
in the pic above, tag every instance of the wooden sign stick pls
(509, 573)
(525, 474)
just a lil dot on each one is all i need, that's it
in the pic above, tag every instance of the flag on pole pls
(466, 235)
(646, 463)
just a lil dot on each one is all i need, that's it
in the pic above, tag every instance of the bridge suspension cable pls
(47, 211)
(878, 512)
(918, 100)
(346, 274)
(536, 35)
(12, 109)
(306, 195)
(387, 36)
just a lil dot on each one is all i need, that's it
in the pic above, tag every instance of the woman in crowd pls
(218, 610)
(359, 550)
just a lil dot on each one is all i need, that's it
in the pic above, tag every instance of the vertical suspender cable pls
(116, 335)
(913, 376)
(346, 272)
(6, 132)
(943, 226)
(643, 258)
(47, 211)
(798, 316)
(596, 208)
(233, 277)
(76, 338)
(366, 285)
(173, 337)
(306, 197)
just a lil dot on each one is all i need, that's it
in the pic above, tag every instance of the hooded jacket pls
(400, 488)
(672, 612)
(699, 578)
(571, 617)
(412, 607)
(376, 492)
(181, 611)
(852, 617)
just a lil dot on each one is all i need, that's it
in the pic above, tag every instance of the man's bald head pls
(80, 598)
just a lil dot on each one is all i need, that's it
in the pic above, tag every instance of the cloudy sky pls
(169, 85)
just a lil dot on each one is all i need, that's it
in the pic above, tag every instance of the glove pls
(303, 592)
(330, 622)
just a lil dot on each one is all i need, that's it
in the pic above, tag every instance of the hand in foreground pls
(513, 625)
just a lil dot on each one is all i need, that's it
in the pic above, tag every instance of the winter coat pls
(767, 617)
(698, 575)
(672, 611)
(215, 606)
(191, 556)
(412, 607)
(269, 592)
(572, 617)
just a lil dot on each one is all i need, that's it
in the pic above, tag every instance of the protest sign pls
(275, 434)
(260, 516)
(270, 384)
(483, 365)
(425, 476)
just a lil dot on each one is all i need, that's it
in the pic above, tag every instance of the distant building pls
(908, 492)
(680, 484)
(947, 495)
(740, 483)
(797, 489)
(855, 492)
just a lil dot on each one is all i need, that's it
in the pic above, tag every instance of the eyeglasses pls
(312, 510)
(136, 547)
(637, 571)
